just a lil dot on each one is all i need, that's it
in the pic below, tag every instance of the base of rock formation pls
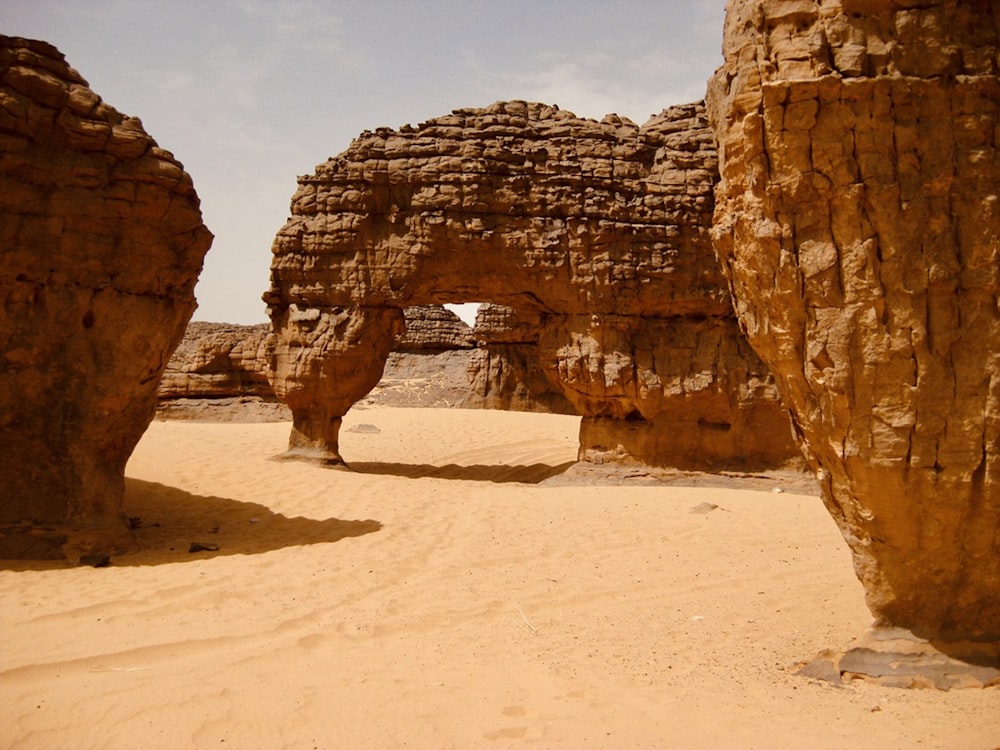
(227, 409)
(690, 442)
(894, 657)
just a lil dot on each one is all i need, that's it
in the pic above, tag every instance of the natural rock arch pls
(598, 231)
(859, 224)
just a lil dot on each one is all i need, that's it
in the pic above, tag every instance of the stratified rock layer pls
(431, 328)
(101, 243)
(600, 230)
(219, 371)
(505, 371)
(858, 220)
(219, 360)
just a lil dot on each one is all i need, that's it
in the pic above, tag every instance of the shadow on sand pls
(500, 473)
(169, 523)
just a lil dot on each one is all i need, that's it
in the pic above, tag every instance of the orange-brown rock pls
(858, 220)
(431, 328)
(219, 371)
(505, 371)
(219, 360)
(101, 240)
(599, 229)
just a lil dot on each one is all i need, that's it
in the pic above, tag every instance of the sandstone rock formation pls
(219, 371)
(505, 371)
(858, 221)
(101, 240)
(219, 360)
(600, 230)
(431, 328)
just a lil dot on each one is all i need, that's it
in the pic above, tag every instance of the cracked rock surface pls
(858, 221)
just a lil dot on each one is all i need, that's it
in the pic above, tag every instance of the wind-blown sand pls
(440, 596)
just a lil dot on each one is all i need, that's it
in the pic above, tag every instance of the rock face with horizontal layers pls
(858, 220)
(600, 230)
(219, 360)
(505, 371)
(101, 241)
(431, 328)
(219, 371)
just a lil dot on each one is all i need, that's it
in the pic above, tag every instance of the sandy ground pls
(444, 595)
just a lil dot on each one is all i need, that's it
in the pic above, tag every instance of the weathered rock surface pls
(101, 241)
(505, 371)
(431, 328)
(599, 229)
(219, 360)
(858, 221)
(219, 371)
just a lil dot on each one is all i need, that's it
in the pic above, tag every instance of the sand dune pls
(458, 588)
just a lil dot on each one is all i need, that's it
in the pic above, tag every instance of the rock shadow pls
(172, 526)
(499, 473)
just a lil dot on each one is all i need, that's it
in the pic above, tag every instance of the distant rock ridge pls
(219, 370)
(597, 230)
(101, 240)
(433, 328)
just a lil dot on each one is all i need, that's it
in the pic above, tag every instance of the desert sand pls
(458, 588)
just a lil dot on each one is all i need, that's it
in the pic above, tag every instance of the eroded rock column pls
(101, 243)
(325, 360)
(858, 220)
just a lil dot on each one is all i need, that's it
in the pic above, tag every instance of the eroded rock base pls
(894, 657)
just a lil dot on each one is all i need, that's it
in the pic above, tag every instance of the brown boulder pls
(858, 224)
(102, 240)
(600, 230)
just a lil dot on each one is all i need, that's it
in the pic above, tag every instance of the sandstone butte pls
(595, 234)
(101, 240)
(858, 224)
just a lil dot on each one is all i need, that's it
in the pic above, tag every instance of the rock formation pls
(858, 221)
(432, 328)
(219, 360)
(219, 371)
(102, 240)
(505, 371)
(599, 229)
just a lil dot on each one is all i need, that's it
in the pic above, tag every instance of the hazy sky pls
(249, 94)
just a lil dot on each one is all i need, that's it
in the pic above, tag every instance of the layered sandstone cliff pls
(432, 328)
(101, 240)
(505, 371)
(858, 221)
(600, 230)
(219, 360)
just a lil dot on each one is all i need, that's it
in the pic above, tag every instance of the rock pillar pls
(858, 222)
(101, 243)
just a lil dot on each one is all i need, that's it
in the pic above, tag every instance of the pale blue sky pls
(249, 94)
